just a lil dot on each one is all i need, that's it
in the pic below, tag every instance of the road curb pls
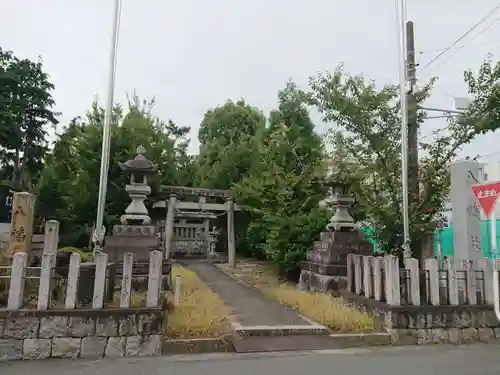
(233, 343)
(198, 346)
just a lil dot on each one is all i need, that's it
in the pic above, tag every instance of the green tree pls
(226, 138)
(484, 86)
(73, 167)
(366, 144)
(283, 188)
(25, 112)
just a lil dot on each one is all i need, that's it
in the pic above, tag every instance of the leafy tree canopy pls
(75, 159)
(227, 134)
(25, 112)
(366, 142)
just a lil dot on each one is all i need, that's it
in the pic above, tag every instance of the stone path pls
(250, 308)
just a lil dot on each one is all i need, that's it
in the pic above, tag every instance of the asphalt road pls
(429, 360)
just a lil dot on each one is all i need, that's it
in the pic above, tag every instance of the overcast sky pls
(192, 55)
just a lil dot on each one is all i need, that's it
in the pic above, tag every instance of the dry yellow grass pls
(200, 313)
(323, 308)
(332, 312)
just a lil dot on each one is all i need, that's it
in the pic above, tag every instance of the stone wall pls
(84, 333)
(454, 325)
(429, 324)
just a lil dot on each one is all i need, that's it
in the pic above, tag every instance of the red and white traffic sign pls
(487, 196)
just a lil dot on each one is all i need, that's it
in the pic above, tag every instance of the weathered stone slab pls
(321, 283)
(37, 348)
(424, 337)
(454, 335)
(403, 337)
(439, 335)
(143, 345)
(469, 335)
(106, 327)
(81, 327)
(66, 347)
(128, 326)
(325, 269)
(11, 349)
(54, 326)
(150, 324)
(486, 335)
(93, 347)
(497, 333)
(115, 347)
(21, 328)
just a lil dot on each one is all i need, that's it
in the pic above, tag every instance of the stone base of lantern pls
(325, 269)
(131, 218)
(128, 238)
(317, 282)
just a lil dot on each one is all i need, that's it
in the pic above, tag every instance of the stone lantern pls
(340, 202)
(135, 234)
(213, 236)
(325, 269)
(139, 169)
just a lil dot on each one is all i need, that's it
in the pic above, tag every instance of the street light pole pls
(100, 230)
(400, 10)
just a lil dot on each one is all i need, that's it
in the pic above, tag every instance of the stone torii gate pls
(174, 203)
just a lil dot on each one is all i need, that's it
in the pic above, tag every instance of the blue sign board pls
(6, 198)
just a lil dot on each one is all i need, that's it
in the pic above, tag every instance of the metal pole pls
(100, 230)
(439, 248)
(494, 235)
(400, 7)
(496, 269)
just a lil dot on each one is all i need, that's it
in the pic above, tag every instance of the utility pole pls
(412, 113)
(411, 104)
(401, 38)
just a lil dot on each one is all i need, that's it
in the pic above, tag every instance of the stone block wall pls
(81, 333)
(454, 325)
(410, 325)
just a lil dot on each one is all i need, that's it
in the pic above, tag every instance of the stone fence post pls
(471, 281)
(350, 273)
(452, 282)
(155, 278)
(413, 269)
(486, 266)
(431, 266)
(73, 276)
(392, 283)
(45, 288)
(101, 265)
(51, 238)
(358, 275)
(16, 289)
(367, 276)
(377, 265)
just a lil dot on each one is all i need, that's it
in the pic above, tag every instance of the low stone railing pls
(34, 325)
(453, 302)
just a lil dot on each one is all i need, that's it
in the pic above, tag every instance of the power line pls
(460, 46)
(476, 25)
(489, 154)
(457, 50)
